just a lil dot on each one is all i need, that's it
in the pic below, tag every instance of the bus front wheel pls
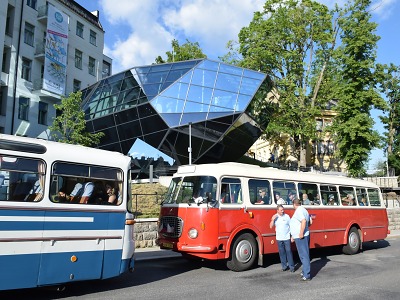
(243, 254)
(353, 242)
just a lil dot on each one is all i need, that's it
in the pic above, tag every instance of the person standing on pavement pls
(301, 235)
(281, 222)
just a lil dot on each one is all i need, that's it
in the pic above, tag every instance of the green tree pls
(69, 126)
(286, 41)
(186, 51)
(356, 89)
(390, 87)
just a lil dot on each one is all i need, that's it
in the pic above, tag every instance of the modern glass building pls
(208, 103)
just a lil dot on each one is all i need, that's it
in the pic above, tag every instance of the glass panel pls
(242, 102)
(178, 90)
(329, 195)
(209, 65)
(167, 105)
(199, 94)
(230, 69)
(156, 77)
(260, 191)
(253, 74)
(195, 107)
(231, 191)
(249, 86)
(185, 64)
(228, 82)
(193, 117)
(362, 197)
(347, 195)
(142, 69)
(160, 67)
(152, 90)
(204, 78)
(224, 99)
(187, 77)
(286, 190)
(172, 119)
(309, 194)
(70, 169)
(373, 197)
(176, 74)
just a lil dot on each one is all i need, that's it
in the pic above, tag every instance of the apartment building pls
(50, 49)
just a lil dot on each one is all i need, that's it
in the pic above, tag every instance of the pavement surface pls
(157, 253)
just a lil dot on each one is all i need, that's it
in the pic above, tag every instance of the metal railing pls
(141, 208)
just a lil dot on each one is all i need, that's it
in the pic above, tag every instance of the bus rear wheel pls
(243, 254)
(353, 242)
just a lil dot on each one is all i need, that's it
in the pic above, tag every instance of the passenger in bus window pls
(291, 197)
(263, 198)
(363, 202)
(112, 194)
(331, 200)
(99, 194)
(306, 201)
(80, 194)
(36, 192)
(279, 199)
(348, 200)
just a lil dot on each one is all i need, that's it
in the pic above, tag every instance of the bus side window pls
(231, 190)
(373, 197)
(260, 191)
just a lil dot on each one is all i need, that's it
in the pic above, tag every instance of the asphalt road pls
(372, 274)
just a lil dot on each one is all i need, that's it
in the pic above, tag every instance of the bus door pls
(72, 247)
(231, 206)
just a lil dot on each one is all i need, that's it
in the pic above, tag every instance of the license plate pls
(167, 245)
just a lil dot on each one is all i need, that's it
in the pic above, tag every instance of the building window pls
(26, 69)
(77, 85)
(42, 116)
(78, 59)
(106, 69)
(92, 37)
(79, 29)
(23, 110)
(92, 66)
(29, 34)
(31, 3)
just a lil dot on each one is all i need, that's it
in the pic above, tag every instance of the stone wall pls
(146, 229)
(146, 232)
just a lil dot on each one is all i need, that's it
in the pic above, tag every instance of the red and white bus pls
(212, 211)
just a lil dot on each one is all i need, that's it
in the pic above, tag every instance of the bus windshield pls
(188, 189)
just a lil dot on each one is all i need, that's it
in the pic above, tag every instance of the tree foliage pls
(390, 87)
(69, 126)
(286, 40)
(356, 89)
(186, 51)
(315, 55)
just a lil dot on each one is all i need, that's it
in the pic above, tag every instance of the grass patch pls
(147, 198)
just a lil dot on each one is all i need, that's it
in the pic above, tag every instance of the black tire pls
(353, 242)
(243, 253)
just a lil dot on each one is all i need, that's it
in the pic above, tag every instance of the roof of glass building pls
(157, 103)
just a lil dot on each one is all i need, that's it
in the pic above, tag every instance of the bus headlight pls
(193, 233)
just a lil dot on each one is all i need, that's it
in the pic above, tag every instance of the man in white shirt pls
(281, 222)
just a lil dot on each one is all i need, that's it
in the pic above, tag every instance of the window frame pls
(29, 34)
(26, 69)
(80, 27)
(93, 37)
(78, 59)
(23, 108)
(92, 66)
(42, 113)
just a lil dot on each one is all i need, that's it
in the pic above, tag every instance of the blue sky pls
(136, 32)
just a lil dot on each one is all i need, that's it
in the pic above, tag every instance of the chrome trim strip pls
(42, 239)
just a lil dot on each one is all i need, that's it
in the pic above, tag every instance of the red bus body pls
(218, 225)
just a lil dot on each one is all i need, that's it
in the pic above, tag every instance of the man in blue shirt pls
(301, 235)
(281, 222)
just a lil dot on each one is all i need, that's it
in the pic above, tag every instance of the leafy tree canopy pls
(69, 126)
(186, 51)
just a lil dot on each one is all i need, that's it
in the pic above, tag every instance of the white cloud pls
(149, 26)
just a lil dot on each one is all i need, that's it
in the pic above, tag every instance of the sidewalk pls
(142, 254)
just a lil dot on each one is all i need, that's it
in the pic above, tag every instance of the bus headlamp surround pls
(193, 233)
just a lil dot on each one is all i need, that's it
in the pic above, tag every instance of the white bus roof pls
(70, 152)
(253, 171)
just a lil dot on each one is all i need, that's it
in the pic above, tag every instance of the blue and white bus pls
(57, 224)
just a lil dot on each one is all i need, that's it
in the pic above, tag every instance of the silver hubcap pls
(244, 251)
(353, 240)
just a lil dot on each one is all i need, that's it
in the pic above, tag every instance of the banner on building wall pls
(55, 63)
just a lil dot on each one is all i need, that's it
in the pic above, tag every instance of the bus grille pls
(171, 226)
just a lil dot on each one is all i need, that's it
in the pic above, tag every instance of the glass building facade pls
(211, 103)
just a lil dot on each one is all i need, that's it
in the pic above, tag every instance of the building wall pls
(13, 87)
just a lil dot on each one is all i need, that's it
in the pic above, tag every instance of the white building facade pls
(50, 49)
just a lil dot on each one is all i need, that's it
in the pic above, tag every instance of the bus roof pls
(253, 171)
(63, 151)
